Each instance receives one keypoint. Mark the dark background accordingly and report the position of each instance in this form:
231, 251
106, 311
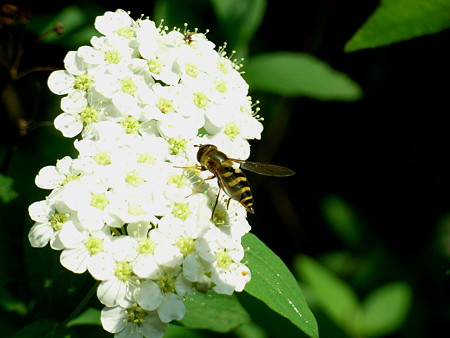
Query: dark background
386, 155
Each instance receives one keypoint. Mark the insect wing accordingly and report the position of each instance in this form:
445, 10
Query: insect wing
265, 168
220, 181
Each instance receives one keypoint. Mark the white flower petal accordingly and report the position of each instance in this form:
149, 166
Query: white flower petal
114, 319
168, 255
73, 65
110, 22
61, 82
149, 295
40, 234
48, 178
223, 284
90, 55
39, 211
74, 102
75, 260
101, 266
145, 266
192, 268
112, 292
124, 249
69, 125
70, 236
153, 327
171, 308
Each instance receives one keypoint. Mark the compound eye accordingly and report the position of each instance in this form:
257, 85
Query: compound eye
202, 149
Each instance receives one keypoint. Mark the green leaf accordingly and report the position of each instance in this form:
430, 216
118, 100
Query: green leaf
384, 310
89, 317
78, 25
72, 17
333, 295
398, 20
250, 330
239, 19
212, 311
273, 284
342, 219
298, 74
272, 323
10, 303
177, 331
7, 193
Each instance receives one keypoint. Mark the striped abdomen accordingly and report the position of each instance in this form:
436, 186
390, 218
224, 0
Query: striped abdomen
235, 184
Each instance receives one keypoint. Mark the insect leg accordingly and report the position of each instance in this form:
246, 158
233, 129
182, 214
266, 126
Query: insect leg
215, 203
196, 167
200, 184
203, 180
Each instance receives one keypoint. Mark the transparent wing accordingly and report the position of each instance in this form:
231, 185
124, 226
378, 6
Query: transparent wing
265, 168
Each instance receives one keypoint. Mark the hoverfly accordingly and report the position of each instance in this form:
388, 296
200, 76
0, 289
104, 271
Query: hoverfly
232, 180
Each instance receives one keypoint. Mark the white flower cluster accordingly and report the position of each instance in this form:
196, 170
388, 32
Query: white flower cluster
142, 97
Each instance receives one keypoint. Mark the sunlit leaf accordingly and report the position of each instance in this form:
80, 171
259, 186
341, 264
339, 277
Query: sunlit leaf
384, 310
72, 17
250, 330
274, 284
239, 19
89, 317
7, 193
9, 302
342, 219
298, 74
176, 331
334, 296
78, 25
398, 20
271, 323
214, 312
